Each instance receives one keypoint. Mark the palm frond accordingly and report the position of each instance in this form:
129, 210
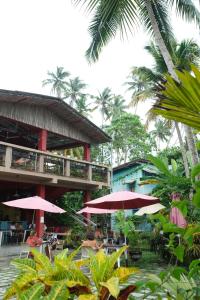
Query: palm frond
181, 102
186, 9
161, 14
109, 16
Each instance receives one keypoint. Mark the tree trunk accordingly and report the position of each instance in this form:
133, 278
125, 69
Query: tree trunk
171, 68
160, 42
183, 150
191, 145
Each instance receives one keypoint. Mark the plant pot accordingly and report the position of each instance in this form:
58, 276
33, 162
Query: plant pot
135, 254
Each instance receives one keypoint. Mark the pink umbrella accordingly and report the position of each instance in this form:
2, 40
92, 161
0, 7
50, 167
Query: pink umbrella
35, 202
123, 200
92, 210
177, 218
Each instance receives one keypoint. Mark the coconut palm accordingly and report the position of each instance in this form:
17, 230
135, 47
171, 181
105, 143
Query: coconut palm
74, 89
183, 54
82, 106
110, 16
102, 102
117, 106
161, 133
57, 80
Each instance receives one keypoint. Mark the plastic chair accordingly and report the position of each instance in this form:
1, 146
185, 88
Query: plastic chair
24, 253
87, 251
60, 245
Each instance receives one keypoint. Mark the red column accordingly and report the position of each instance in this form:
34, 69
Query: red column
86, 154
39, 218
87, 194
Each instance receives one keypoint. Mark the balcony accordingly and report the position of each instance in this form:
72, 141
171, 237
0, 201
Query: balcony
22, 164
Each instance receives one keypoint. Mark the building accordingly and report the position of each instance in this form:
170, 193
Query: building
33, 128
128, 177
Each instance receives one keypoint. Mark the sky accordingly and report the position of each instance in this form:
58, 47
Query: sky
38, 35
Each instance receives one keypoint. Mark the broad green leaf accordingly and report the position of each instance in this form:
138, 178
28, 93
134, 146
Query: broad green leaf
123, 273
155, 279
62, 255
196, 198
160, 165
174, 166
177, 272
172, 228
179, 252
112, 285
195, 171
58, 291
42, 261
33, 293
24, 264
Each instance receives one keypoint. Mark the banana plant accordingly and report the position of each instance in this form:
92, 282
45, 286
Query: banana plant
39, 279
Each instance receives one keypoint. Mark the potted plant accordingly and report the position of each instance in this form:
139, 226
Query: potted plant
134, 249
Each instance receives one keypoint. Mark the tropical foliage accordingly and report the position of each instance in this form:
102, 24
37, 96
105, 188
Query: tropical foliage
57, 80
169, 179
110, 17
181, 101
129, 138
39, 279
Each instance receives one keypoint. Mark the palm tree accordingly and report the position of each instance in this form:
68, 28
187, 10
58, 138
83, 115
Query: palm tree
161, 133
183, 55
110, 16
102, 102
73, 90
82, 106
116, 107
56, 80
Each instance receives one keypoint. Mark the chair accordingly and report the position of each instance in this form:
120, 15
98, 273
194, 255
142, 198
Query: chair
24, 253
87, 251
60, 245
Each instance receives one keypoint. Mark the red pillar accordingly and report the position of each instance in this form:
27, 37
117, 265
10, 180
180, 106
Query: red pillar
86, 154
87, 194
39, 220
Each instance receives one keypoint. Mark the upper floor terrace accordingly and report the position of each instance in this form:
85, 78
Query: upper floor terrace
22, 164
25, 157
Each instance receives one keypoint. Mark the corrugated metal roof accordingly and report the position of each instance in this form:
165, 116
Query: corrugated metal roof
131, 164
61, 108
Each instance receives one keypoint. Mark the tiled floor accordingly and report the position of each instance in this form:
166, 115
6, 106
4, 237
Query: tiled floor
8, 274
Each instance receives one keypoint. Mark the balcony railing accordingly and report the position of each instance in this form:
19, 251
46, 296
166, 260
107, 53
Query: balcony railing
26, 159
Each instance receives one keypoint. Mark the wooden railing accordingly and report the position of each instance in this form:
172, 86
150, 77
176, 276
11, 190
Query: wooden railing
27, 159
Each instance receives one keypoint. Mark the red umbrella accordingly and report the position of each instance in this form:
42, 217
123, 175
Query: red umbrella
123, 200
93, 210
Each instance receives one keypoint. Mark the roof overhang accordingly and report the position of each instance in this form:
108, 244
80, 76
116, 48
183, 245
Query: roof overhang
61, 109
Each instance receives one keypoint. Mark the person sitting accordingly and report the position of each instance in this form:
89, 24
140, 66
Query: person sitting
91, 242
12, 226
33, 240
98, 233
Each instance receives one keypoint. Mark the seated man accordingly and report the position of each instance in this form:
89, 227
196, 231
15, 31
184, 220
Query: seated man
33, 240
91, 242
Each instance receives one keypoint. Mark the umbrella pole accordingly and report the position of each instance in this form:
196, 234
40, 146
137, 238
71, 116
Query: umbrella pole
33, 218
